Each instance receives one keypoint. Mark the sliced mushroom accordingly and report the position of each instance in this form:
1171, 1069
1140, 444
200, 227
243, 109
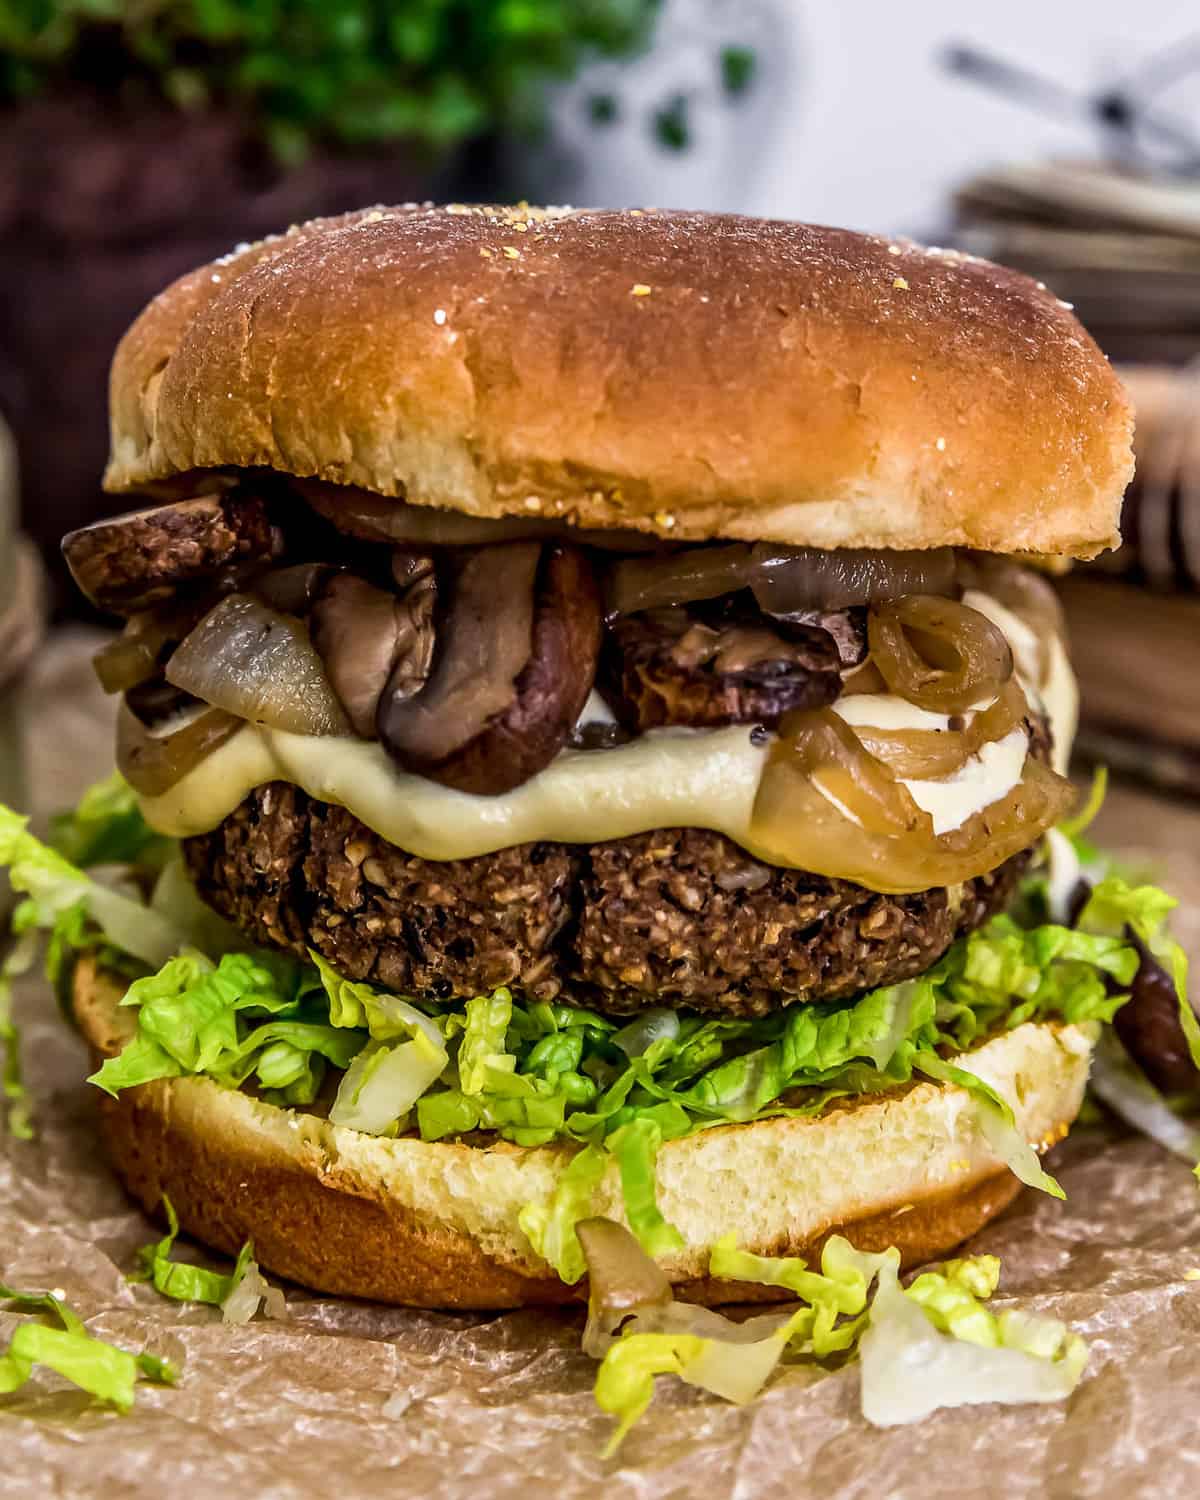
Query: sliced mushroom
668, 667
129, 562
368, 639
413, 657
514, 664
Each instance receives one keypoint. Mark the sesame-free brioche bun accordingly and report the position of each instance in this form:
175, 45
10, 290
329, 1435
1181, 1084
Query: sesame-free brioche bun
434, 1224
696, 375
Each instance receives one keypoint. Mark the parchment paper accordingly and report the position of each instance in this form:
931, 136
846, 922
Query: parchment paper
348, 1399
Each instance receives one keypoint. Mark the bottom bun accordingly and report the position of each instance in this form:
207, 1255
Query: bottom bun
434, 1224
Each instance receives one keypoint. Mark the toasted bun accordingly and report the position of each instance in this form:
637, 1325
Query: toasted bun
432, 1224
691, 374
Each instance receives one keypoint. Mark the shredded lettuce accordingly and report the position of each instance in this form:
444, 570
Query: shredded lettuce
102, 1370
107, 828
934, 1344
229, 1021
17, 961
550, 1226
1115, 905
937, 1345
237, 1294
52, 885
537, 1073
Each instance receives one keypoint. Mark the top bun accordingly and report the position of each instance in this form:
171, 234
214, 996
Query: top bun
697, 375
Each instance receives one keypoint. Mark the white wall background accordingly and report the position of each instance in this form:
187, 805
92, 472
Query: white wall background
853, 121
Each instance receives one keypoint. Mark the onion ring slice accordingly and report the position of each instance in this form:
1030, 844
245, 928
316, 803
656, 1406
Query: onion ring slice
153, 763
937, 653
882, 840
922, 754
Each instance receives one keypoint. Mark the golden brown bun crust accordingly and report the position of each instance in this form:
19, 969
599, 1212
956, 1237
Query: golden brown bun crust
775, 382
357, 1216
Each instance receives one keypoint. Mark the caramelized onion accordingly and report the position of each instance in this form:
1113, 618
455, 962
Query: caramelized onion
375, 518
138, 652
1029, 594
937, 653
259, 664
922, 754
153, 763
827, 751
786, 580
892, 847
640, 583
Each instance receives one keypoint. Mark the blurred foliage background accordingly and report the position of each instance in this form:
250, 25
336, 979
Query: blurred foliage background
355, 72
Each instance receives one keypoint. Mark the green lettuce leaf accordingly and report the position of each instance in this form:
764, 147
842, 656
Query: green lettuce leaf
52, 885
183, 1282
635, 1146
244, 1016
996, 1121
107, 828
934, 1344
1114, 905
102, 1370
19, 960
481, 1052
550, 1226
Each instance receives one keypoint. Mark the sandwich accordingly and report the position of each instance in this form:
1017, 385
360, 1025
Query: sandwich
593, 721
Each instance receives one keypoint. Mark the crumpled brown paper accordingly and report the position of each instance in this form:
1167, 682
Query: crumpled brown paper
347, 1399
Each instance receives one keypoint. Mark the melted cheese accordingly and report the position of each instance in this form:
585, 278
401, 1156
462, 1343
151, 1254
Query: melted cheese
980, 781
951, 800
666, 779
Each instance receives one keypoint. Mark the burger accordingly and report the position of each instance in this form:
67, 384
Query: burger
593, 714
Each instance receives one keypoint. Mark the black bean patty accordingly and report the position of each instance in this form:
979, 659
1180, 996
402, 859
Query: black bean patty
682, 917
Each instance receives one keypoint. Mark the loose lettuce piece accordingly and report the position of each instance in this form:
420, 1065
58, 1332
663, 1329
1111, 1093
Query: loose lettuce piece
1115, 904
937, 1345
625, 1381
662, 1336
839, 1290
996, 1121
386, 1017
635, 1146
237, 1294
102, 1370
482, 1053
1120, 1084
550, 1227
51, 885
733, 1368
107, 828
383, 1083
17, 961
